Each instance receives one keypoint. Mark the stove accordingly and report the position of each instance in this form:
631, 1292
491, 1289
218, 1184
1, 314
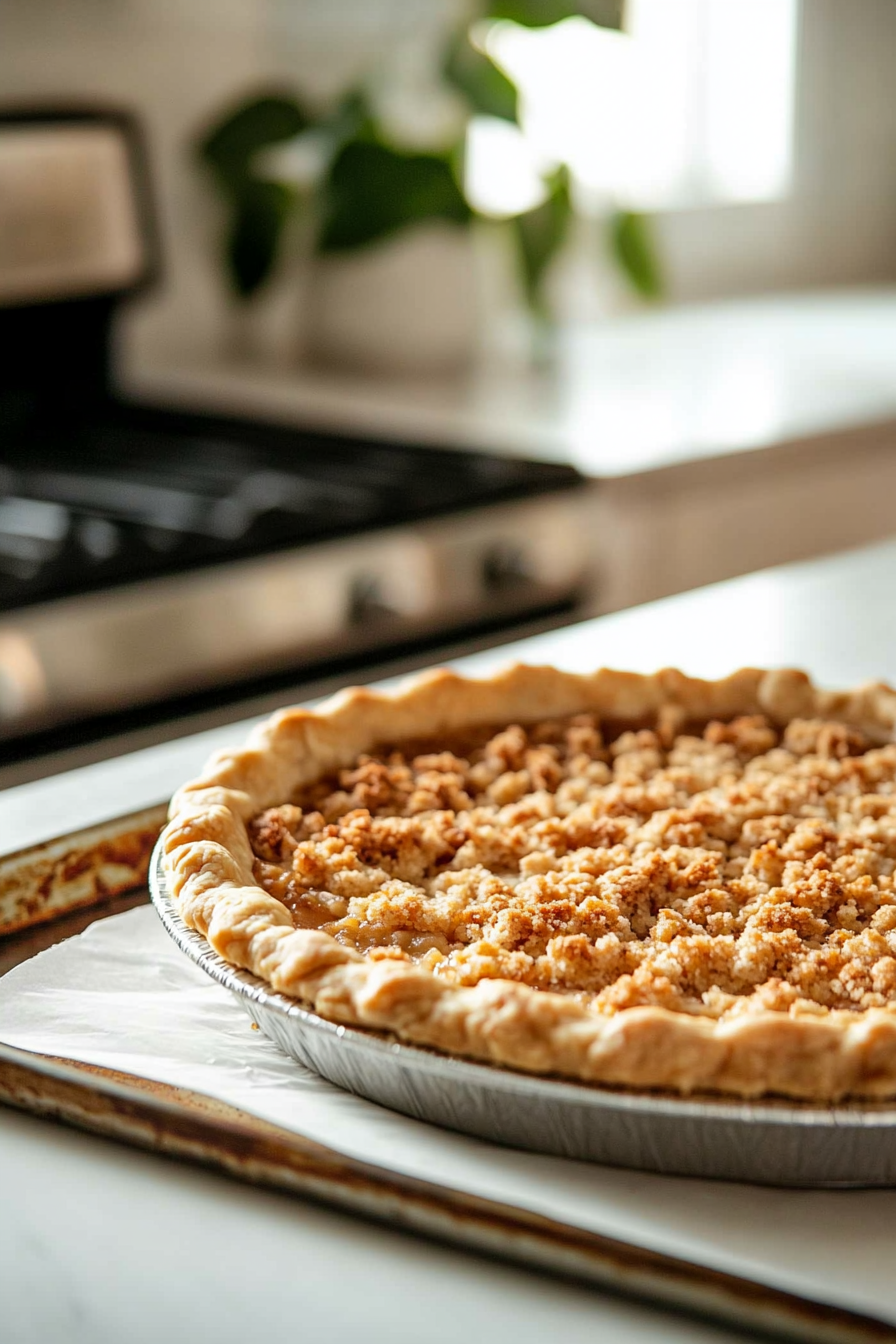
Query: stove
151, 556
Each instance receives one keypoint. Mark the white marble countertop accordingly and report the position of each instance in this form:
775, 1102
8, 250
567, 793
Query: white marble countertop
637, 393
98, 1242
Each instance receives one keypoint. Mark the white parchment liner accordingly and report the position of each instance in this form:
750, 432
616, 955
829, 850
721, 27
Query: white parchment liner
123, 996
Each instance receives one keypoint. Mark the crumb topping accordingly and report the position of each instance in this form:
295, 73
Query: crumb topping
743, 869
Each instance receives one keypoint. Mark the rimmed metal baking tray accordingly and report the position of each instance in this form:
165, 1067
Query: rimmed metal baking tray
769, 1142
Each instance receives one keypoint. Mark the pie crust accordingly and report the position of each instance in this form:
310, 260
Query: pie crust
781, 1038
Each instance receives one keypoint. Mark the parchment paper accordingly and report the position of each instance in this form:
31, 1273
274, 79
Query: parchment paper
124, 997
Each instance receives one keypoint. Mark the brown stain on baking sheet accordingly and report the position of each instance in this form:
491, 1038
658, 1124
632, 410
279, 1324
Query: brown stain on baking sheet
77, 871
182, 1124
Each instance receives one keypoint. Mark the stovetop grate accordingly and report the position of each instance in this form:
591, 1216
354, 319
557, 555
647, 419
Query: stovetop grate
141, 493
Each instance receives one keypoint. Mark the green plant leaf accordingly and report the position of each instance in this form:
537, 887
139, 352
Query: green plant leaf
373, 191
486, 88
352, 119
632, 245
540, 233
260, 211
230, 146
258, 208
542, 13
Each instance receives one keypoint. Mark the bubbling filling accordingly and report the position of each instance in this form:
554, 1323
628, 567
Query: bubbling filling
720, 872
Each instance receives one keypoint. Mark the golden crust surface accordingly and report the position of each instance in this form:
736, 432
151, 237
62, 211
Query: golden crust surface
653, 882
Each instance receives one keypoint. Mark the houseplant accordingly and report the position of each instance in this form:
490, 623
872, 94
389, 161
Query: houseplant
388, 223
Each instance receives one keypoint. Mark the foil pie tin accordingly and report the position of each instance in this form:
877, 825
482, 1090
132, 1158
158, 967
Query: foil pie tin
770, 1141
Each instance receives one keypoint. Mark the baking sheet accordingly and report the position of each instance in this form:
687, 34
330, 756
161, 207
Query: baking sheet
122, 996
43, 882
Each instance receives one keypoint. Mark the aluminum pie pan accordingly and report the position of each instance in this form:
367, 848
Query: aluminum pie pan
768, 1142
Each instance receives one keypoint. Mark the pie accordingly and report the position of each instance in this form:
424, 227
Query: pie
649, 882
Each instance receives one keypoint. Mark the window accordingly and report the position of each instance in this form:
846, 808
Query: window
692, 104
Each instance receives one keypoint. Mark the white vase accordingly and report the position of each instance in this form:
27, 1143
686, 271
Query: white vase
408, 304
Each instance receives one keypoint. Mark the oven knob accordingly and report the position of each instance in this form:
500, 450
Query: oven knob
504, 565
366, 600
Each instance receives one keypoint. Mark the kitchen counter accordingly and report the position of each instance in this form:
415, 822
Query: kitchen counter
636, 393
89, 1230
99, 1244
721, 438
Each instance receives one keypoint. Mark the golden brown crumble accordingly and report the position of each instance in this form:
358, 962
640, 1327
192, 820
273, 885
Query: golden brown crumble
718, 874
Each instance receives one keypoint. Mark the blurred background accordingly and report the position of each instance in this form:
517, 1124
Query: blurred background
345, 335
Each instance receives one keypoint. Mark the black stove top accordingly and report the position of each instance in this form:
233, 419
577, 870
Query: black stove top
96, 492
156, 562
133, 493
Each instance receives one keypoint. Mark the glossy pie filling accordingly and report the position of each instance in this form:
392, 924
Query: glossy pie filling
741, 869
